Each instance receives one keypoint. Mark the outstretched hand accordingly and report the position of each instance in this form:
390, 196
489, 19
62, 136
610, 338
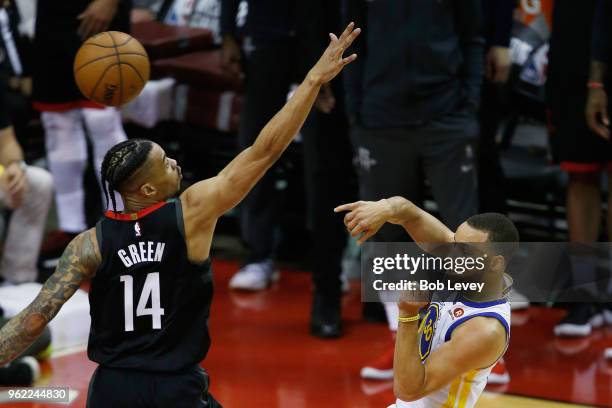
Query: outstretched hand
332, 61
365, 218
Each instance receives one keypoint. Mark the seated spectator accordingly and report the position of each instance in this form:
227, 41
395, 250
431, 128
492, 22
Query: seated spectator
145, 10
27, 191
194, 13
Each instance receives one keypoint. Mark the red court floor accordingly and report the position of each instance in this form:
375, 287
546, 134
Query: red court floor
262, 356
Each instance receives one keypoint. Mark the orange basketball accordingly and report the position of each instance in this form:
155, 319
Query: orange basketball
111, 68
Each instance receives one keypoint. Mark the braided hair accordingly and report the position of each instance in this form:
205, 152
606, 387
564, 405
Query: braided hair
120, 163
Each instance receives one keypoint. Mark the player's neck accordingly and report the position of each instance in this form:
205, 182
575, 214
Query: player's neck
493, 289
133, 205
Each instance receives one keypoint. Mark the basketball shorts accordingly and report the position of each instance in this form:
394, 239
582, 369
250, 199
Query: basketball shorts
575, 147
121, 388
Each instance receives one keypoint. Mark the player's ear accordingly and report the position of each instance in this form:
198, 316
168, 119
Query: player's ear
498, 263
148, 190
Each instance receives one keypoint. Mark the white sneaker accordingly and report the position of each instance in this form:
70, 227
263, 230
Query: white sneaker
255, 276
517, 300
344, 283
580, 320
34, 366
381, 368
499, 374
607, 314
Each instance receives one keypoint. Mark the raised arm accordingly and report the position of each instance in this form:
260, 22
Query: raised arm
365, 218
209, 199
78, 263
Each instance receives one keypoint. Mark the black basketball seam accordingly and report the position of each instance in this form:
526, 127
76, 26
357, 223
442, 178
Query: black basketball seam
135, 70
119, 65
109, 46
107, 56
100, 79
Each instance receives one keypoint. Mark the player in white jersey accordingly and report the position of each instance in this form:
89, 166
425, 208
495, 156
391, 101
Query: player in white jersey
444, 360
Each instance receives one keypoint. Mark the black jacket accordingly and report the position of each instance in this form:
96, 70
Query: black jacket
418, 60
306, 23
260, 19
602, 31
498, 21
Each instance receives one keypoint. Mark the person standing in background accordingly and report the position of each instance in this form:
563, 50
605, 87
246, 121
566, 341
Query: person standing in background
328, 168
263, 48
580, 152
61, 28
413, 104
598, 109
498, 18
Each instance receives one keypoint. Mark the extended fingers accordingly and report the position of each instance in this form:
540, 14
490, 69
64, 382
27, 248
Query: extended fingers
348, 40
349, 59
347, 31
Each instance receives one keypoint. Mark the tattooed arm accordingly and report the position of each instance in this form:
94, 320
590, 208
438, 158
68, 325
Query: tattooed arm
78, 263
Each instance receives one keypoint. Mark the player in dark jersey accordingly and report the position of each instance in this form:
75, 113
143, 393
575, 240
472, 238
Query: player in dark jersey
151, 285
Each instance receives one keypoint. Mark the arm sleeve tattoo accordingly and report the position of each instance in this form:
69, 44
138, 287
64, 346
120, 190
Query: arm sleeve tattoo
77, 264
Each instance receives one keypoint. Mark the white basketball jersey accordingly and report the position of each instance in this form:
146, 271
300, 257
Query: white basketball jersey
440, 320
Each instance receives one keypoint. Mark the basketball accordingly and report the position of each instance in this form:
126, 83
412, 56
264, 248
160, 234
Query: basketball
111, 68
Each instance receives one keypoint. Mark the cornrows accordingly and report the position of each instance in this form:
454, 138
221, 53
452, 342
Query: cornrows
120, 163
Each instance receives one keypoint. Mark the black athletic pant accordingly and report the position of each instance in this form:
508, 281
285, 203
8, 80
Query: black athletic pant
492, 197
330, 180
120, 388
270, 71
395, 162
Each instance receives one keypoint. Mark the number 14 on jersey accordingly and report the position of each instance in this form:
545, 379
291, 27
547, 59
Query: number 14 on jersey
150, 290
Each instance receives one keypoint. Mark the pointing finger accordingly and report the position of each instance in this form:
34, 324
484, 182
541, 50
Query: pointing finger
346, 207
